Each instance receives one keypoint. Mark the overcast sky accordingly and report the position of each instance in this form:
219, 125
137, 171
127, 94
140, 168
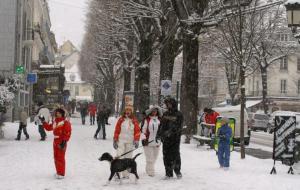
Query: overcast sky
68, 17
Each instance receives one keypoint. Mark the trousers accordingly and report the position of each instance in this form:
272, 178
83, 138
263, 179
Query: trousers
172, 159
122, 148
151, 153
59, 158
24, 129
101, 125
224, 154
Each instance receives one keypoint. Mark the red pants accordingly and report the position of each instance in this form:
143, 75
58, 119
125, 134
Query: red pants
59, 158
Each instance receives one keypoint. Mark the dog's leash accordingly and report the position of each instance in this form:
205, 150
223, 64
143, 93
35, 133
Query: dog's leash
179, 131
132, 150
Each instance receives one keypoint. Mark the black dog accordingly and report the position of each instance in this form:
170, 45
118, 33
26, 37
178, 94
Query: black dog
119, 165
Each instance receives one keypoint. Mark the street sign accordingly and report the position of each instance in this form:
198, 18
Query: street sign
20, 69
284, 141
166, 87
32, 78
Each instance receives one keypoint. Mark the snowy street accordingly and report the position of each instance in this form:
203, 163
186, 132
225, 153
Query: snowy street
28, 165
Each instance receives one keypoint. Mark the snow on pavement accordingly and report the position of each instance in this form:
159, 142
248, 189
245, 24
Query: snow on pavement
28, 165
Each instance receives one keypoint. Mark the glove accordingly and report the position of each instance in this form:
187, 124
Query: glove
42, 118
157, 139
136, 144
222, 137
145, 142
115, 145
62, 145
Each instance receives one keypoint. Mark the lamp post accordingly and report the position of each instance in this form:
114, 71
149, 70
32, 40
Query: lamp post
293, 16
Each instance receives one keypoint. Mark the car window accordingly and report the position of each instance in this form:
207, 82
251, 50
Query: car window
261, 117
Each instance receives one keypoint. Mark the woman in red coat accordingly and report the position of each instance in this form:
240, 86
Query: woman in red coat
62, 131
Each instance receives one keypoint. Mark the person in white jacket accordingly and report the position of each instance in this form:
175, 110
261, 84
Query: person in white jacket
126, 135
148, 137
42, 112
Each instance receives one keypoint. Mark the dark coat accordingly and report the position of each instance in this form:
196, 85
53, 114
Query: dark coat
171, 125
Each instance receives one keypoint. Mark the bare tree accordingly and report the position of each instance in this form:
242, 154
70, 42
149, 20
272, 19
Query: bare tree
104, 51
268, 47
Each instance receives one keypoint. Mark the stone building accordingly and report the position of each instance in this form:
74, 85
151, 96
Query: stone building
16, 37
78, 89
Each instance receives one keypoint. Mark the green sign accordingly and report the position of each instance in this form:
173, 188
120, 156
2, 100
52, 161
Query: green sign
20, 69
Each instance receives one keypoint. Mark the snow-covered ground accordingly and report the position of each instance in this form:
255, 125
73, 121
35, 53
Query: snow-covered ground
28, 165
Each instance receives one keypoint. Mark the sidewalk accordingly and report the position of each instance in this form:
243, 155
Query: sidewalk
28, 165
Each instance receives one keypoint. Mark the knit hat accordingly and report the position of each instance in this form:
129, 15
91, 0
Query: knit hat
61, 111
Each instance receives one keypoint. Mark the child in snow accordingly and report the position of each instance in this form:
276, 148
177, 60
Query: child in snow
23, 124
149, 132
61, 128
224, 135
126, 135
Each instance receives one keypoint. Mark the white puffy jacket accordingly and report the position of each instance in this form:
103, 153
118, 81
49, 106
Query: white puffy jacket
150, 129
43, 111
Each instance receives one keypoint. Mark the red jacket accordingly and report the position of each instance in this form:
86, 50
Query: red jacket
61, 129
92, 109
211, 118
120, 128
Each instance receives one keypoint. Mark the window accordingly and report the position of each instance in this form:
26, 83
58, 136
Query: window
298, 64
283, 37
283, 86
284, 63
76, 90
299, 86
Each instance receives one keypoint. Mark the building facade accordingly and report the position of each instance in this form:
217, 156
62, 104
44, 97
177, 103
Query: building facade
283, 78
77, 89
16, 37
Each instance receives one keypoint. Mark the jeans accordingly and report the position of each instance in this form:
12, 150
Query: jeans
224, 154
24, 129
83, 119
92, 119
101, 124
42, 132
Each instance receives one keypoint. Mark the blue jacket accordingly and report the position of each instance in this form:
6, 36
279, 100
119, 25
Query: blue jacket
224, 134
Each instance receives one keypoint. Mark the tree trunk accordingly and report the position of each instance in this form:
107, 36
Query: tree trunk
111, 96
264, 80
189, 85
142, 77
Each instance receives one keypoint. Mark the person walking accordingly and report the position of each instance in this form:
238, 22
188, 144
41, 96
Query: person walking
170, 134
101, 121
83, 112
108, 112
42, 111
224, 135
126, 135
23, 124
61, 128
149, 132
92, 112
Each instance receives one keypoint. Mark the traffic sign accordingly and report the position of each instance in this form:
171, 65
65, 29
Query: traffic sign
32, 78
20, 69
166, 87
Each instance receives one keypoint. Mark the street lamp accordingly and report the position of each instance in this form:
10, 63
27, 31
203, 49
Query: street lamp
293, 15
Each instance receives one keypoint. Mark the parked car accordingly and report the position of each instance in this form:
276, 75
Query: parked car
235, 112
258, 121
271, 123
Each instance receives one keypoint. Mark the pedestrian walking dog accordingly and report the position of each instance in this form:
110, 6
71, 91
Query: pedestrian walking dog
118, 165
